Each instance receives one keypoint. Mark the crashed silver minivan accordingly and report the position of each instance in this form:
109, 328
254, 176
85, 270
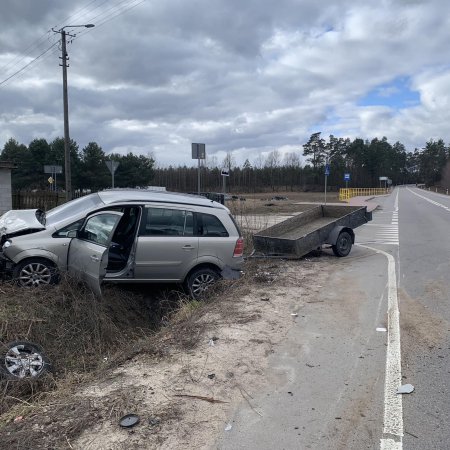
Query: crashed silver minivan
123, 235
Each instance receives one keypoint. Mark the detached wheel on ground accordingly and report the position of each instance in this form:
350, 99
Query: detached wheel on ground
22, 359
343, 244
35, 272
199, 281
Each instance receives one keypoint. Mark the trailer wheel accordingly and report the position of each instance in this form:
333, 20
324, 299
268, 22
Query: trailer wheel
343, 244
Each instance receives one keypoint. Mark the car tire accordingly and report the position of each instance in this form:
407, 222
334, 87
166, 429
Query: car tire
35, 272
199, 281
23, 360
343, 244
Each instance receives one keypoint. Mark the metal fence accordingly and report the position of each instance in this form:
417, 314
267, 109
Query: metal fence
346, 193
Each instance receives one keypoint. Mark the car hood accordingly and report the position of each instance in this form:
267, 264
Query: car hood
15, 221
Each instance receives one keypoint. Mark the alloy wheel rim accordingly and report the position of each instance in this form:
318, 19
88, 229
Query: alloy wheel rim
22, 362
202, 283
35, 274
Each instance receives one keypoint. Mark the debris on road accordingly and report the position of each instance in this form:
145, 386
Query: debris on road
201, 397
129, 420
405, 389
228, 427
383, 329
154, 421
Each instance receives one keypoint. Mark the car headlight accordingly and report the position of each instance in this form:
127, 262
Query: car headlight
7, 244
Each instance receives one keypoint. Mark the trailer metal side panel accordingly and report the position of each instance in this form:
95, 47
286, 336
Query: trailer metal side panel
307, 231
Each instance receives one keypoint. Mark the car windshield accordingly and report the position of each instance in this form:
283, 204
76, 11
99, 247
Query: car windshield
73, 208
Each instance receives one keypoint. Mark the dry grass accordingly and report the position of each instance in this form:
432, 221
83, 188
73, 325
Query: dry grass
80, 333
85, 338
55, 415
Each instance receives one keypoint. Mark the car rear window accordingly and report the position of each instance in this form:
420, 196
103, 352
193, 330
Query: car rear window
210, 226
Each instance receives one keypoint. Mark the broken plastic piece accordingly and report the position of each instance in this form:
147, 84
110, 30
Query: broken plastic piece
405, 389
228, 427
211, 343
294, 314
154, 421
381, 329
130, 420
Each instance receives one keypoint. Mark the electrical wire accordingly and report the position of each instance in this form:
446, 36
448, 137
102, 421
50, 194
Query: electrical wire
79, 14
27, 52
111, 13
29, 64
108, 14
19, 76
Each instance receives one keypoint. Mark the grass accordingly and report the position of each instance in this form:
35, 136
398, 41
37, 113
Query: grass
85, 338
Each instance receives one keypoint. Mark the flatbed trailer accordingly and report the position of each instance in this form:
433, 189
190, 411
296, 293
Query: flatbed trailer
308, 231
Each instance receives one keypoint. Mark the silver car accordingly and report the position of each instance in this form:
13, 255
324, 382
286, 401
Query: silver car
123, 236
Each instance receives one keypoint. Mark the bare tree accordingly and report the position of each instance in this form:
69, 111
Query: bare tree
229, 161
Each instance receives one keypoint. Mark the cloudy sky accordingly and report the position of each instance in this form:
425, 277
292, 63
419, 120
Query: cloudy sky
242, 76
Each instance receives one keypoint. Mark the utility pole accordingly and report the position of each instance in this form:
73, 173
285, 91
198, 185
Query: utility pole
64, 59
68, 172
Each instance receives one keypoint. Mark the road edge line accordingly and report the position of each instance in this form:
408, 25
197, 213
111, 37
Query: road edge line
393, 409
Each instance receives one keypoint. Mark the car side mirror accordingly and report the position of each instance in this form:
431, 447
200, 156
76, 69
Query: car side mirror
72, 233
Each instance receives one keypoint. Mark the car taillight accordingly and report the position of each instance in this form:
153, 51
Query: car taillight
238, 248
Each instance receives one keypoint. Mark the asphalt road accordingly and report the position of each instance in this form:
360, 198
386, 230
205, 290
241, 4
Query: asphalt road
424, 287
332, 382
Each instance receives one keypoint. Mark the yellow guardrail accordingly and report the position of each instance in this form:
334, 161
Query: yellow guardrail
346, 193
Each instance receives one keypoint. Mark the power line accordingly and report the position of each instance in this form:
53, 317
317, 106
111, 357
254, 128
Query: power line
27, 52
29, 64
110, 13
49, 54
74, 17
112, 10
111, 16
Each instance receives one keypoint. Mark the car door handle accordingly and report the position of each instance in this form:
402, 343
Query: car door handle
95, 258
188, 247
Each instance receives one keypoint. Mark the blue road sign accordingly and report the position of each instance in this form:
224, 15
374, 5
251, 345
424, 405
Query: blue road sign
327, 170
346, 177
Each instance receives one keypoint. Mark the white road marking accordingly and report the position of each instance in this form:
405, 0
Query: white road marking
384, 234
429, 200
393, 411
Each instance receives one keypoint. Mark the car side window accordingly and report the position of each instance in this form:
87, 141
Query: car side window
98, 229
168, 222
210, 226
62, 232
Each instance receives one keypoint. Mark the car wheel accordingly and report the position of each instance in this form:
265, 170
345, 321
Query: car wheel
200, 280
22, 359
35, 272
343, 244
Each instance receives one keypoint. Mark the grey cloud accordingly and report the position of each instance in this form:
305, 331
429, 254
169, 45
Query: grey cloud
239, 75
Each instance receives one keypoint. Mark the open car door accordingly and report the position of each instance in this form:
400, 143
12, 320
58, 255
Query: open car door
88, 251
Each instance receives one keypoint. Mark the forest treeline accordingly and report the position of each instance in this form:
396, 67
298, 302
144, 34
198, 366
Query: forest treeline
364, 160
